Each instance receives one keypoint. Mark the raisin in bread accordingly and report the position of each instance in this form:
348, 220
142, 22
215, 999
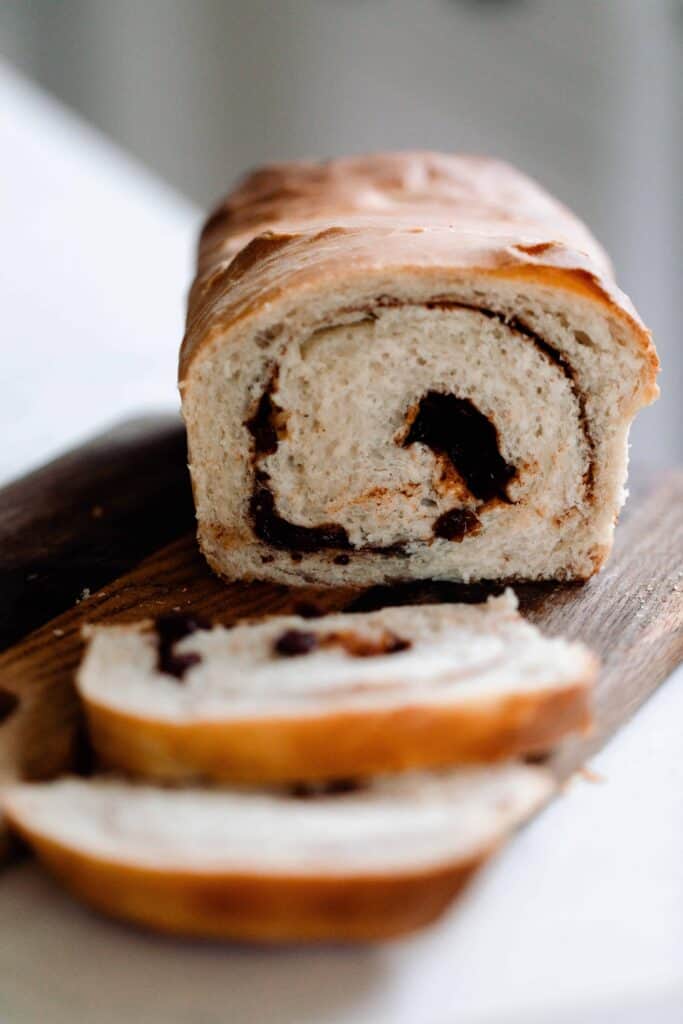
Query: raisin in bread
407, 366
343, 695
269, 867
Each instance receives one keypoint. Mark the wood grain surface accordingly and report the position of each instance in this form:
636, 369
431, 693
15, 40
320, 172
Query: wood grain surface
631, 614
89, 516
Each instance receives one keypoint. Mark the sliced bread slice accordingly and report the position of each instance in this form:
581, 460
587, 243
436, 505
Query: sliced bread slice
365, 864
351, 695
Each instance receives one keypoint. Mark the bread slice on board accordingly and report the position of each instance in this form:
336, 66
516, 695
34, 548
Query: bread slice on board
366, 864
344, 695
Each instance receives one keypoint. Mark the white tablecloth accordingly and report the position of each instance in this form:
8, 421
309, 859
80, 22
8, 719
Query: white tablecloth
580, 919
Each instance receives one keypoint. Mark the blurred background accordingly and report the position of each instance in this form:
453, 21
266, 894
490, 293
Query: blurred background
121, 121
584, 95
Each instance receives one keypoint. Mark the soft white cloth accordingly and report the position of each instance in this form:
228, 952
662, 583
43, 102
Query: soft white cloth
97, 256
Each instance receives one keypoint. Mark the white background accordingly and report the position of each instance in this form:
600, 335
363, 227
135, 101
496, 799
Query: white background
584, 95
580, 919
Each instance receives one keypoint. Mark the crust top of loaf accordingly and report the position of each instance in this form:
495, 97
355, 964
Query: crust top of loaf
419, 187
290, 229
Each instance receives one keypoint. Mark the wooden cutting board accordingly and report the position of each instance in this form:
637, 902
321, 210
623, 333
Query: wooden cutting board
105, 534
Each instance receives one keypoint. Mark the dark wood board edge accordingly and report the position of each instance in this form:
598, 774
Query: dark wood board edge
89, 516
631, 614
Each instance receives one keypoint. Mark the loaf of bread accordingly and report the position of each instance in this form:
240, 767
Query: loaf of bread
345, 695
350, 865
407, 366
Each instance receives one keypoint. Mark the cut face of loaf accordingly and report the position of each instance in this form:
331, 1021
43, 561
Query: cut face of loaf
405, 367
266, 867
341, 696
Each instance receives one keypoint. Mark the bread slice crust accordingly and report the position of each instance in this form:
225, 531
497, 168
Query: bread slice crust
338, 865
403, 688
256, 908
342, 744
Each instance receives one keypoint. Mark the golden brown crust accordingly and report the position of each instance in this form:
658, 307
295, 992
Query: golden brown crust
343, 744
256, 908
423, 188
401, 215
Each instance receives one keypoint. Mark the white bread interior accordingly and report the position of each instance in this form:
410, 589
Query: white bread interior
454, 655
396, 824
